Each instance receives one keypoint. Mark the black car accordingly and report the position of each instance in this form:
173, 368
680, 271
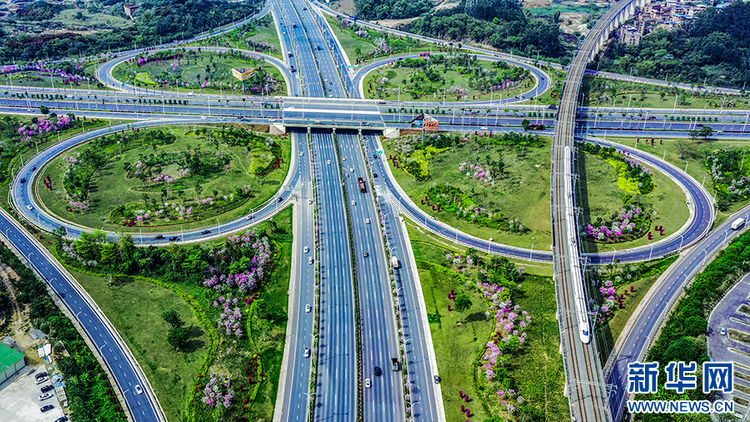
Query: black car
366, 254
375, 175
47, 388
206, 232
23, 180
159, 237
280, 199
319, 48
33, 168
40, 375
174, 238
378, 371
62, 419
47, 407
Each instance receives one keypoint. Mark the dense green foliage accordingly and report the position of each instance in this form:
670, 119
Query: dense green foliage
90, 393
715, 48
729, 174
391, 9
160, 21
683, 336
514, 30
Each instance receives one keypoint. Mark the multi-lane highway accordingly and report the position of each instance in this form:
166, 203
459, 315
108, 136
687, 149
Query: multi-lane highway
350, 239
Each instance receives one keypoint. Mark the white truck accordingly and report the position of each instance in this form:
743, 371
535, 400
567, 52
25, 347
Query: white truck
394, 262
738, 223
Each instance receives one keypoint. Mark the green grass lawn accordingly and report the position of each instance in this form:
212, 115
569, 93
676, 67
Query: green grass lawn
134, 307
400, 77
194, 67
258, 31
349, 42
597, 94
418, 235
110, 188
537, 367
551, 96
456, 346
642, 284
523, 194
600, 197
686, 152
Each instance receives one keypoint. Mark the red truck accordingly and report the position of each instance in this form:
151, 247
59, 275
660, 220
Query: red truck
361, 184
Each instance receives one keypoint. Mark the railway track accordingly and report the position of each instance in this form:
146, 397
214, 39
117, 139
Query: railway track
586, 391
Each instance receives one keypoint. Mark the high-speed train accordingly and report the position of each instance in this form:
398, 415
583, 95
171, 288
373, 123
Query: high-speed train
576, 271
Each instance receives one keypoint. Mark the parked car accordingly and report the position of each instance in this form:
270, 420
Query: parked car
62, 419
47, 388
41, 380
47, 408
45, 396
40, 375
723, 331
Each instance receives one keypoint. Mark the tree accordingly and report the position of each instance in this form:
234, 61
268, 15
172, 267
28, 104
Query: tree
705, 132
177, 337
172, 318
463, 303
44, 109
525, 123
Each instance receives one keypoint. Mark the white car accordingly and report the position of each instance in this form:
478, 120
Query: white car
271, 120
367, 221
354, 202
45, 396
309, 201
343, 158
307, 249
138, 389
351, 170
483, 128
308, 308
367, 383
203, 117
723, 331
310, 260
41, 380
328, 162
221, 119
307, 352
301, 154
29, 207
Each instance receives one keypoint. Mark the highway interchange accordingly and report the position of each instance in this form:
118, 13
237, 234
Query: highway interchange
335, 198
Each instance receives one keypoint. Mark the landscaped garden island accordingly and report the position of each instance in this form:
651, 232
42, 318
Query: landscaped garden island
165, 178
202, 71
438, 77
497, 186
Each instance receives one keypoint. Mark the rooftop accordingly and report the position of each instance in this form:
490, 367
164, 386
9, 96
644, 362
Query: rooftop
8, 357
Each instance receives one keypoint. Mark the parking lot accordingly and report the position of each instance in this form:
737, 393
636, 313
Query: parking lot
729, 341
19, 399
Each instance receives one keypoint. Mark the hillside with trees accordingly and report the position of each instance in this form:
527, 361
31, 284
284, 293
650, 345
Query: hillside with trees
160, 21
391, 9
713, 50
503, 24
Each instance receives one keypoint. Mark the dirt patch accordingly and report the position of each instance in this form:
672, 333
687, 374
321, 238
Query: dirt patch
537, 3
571, 22
394, 23
68, 31
446, 4
20, 324
344, 6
